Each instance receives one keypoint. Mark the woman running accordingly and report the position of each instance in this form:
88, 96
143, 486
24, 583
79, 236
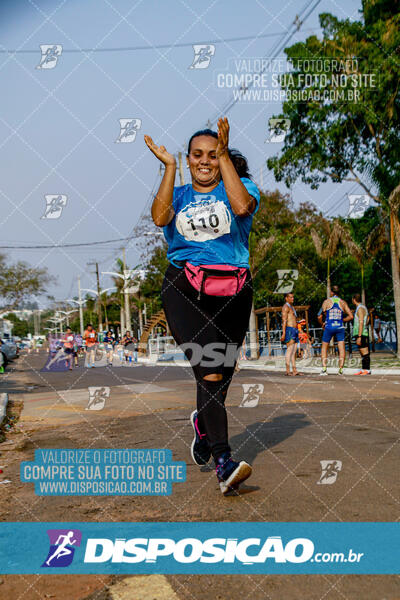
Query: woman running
128, 343
68, 341
109, 343
207, 289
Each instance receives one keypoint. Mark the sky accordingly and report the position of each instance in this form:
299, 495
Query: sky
126, 59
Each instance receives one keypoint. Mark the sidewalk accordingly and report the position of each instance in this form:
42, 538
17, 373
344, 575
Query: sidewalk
311, 366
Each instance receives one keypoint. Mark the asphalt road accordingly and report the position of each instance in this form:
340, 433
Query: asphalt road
295, 424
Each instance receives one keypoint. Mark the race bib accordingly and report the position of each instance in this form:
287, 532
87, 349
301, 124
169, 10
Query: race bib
205, 219
91, 335
70, 338
335, 313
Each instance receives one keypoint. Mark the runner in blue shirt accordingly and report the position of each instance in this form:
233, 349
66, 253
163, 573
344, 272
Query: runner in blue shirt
207, 289
109, 343
333, 309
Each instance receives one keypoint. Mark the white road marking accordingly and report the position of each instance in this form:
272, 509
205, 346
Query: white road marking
144, 388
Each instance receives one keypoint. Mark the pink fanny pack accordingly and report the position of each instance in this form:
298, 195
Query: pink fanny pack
216, 280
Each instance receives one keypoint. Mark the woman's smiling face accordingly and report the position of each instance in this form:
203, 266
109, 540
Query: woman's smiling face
202, 161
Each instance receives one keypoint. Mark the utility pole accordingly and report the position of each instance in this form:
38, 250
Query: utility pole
99, 298
99, 315
80, 305
126, 295
125, 310
122, 317
181, 176
60, 321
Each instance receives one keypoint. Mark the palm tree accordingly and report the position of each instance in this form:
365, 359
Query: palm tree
334, 233
385, 179
106, 301
364, 253
90, 305
119, 283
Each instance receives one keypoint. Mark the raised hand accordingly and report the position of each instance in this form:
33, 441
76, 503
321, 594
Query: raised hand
223, 137
160, 152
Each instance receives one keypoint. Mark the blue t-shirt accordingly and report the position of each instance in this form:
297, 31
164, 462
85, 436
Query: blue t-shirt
205, 230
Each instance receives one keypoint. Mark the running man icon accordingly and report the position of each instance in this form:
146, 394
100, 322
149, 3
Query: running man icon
202, 55
55, 204
128, 130
61, 551
330, 470
50, 53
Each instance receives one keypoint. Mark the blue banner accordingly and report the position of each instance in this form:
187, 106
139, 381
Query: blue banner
199, 548
103, 472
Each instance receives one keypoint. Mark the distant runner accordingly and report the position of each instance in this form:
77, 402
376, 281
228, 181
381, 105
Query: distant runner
360, 334
129, 344
290, 334
333, 309
109, 343
68, 342
90, 337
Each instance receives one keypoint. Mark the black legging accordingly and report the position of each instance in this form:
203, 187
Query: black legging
212, 319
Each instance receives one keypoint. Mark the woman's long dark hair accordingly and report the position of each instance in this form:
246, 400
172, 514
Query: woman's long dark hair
239, 161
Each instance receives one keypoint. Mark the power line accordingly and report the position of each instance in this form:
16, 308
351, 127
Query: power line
156, 47
40, 246
126, 239
131, 236
276, 50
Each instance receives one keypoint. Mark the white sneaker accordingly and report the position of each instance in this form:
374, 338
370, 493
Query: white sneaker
324, 372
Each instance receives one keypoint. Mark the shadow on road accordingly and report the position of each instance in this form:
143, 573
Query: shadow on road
261, 436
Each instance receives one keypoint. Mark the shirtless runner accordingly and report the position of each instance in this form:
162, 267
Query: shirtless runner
290, 333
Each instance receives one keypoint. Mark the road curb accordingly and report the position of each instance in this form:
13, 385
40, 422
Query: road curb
317, 370
279, 370
3, 406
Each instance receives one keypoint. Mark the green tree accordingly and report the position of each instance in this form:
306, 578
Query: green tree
19, 281
90, 315
156, 266
326, 245
369, 235
21, 327
280, 239
343, 140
